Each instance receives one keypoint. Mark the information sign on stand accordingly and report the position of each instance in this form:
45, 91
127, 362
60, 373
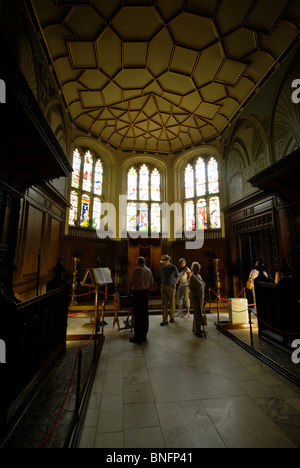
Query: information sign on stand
95, 278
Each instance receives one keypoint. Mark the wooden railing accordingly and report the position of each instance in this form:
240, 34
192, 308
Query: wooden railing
35, 334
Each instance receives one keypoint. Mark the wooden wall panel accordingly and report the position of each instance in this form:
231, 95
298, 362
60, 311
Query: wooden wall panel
41, 229
32, 241
54, 244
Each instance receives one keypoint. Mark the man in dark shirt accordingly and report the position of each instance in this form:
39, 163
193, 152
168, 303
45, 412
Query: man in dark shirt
169, 278
141, 281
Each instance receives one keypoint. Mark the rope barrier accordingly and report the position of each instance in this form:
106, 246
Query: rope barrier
226, 300
81, 295
68, 391
83, 312
240, 293
106, 294
273, 328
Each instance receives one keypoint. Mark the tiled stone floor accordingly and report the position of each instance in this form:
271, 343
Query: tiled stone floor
175, 391
179, 391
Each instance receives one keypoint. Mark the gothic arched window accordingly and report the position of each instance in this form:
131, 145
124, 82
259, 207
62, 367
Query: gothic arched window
202, 202
86, 189
144, 196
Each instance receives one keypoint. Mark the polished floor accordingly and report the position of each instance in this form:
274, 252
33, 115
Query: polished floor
180, 391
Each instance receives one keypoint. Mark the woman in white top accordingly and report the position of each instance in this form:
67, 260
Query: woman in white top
183, 290
252, 276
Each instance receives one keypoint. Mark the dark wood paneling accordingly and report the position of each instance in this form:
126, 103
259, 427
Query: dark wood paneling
42, 222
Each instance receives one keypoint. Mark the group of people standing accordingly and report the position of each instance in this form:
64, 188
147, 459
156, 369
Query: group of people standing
183, 285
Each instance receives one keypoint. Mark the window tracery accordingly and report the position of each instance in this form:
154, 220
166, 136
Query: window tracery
144, 196
202, 201
86, 189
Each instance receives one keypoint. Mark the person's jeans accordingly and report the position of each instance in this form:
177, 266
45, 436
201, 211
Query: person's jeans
168, 292
140, 314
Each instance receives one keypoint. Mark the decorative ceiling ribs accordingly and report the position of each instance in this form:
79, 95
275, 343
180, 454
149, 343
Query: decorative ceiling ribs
161, 76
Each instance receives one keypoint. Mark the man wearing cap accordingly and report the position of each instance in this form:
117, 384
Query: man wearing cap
169, 278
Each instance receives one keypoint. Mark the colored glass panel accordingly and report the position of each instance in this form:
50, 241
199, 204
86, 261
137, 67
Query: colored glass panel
131, 217
189, 182
200, 177
143, 217
189, 208
76, 169
98, 181
74, 208
96, 213
155, 218
132, 184
155, 185
201, 214
213, 176
85, 211
87, 172
215, 215
144, 183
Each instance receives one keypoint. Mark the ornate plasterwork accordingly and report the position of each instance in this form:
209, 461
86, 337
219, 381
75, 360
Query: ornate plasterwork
285, 132
161, 76
247, 155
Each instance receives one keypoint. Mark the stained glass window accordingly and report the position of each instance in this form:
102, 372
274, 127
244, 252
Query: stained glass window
143, 217
87, 189
213, 176
76, 169
96, 213
202, 202
74, 208
155, 185
87, 172
189, 182
144, 187
155, 218
200, 177
131, 217
85, 211
201, 214
144, 183
132, 184
98, 179
189, 216
214, 208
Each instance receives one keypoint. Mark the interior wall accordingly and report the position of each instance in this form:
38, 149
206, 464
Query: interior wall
259, 223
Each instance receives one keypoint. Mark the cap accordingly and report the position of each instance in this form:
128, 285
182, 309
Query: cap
182, 260
165, 258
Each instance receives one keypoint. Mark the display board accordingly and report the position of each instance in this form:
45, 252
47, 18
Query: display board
102, 276
97, 277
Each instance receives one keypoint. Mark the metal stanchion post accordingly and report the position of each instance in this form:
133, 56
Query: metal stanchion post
77, 404
250, 323
218, 310
74, 282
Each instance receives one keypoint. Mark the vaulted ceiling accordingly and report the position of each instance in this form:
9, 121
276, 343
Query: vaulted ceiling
163, 75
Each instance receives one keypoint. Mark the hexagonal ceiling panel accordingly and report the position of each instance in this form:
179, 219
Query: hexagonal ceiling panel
163, 75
